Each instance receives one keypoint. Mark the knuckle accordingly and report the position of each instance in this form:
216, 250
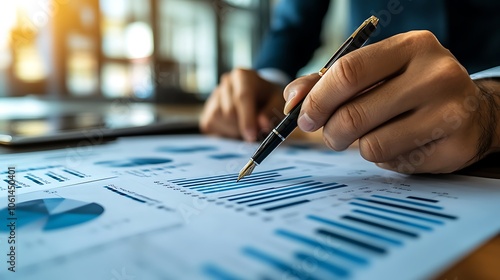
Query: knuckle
422, 39
239, 73
351, 119
372, 149
316, 106
449, 71
225, 78
347, 71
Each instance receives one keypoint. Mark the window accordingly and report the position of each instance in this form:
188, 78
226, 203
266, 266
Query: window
155, 50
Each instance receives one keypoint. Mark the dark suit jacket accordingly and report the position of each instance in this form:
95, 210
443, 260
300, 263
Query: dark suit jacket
470, 29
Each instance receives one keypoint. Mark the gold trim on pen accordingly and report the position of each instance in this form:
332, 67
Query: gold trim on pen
373, 20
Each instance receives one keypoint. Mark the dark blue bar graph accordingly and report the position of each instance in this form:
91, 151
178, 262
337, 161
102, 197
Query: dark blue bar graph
336, 186
229, 181
125, 195
303, 187
54, 177
335, 270
403, 222
236, 186
356, 230
286, 205
218, 185
217, 273
34, 180
74, 173
271, 190
441, 215
276, 263
352, 241
423, 199
311, 242
381, 226
399, 213
217, 177
408, 202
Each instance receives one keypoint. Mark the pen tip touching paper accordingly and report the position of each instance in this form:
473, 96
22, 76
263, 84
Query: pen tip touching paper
246, 170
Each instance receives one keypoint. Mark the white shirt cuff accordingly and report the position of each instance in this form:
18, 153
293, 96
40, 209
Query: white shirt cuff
488, 73
274, 76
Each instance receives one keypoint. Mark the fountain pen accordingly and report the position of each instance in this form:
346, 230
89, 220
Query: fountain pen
289, 123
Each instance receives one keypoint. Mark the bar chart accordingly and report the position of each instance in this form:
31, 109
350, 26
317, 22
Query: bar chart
340, 243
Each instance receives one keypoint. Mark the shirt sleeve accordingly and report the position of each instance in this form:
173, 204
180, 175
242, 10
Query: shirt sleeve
488, 73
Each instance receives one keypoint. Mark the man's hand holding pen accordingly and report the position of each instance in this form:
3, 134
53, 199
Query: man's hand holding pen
410, 103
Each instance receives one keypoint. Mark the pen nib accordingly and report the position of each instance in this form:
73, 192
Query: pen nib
246, 170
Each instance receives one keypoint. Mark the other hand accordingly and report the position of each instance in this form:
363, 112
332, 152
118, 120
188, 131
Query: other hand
242, 106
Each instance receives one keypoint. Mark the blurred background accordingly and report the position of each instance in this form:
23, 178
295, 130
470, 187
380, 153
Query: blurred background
151, 50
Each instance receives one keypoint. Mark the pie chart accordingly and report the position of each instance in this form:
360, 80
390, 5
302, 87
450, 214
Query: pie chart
51, 214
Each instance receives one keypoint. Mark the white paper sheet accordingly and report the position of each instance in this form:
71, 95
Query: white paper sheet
174, 211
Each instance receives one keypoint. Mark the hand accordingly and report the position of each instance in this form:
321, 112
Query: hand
410, 103
242, 106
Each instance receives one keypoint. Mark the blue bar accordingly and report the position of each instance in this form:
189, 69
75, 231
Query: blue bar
125, 195
394, 220
274, 190
215, 185
230, 181
285, 205
356, 230
352, 241
299, 195
409, 202
55, 177
331, 268
34, 180
258, 184
229, 175
276, 263
381, 226
311, 242
399, 213
73, 173
423, 199
409, 208
262, 190
217, 273
280, 192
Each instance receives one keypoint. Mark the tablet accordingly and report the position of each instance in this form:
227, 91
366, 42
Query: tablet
30, 121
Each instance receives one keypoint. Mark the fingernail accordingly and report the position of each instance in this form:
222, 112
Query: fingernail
306, 123
287, 107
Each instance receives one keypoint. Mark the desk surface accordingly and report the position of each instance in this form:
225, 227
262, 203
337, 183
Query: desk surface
480, 264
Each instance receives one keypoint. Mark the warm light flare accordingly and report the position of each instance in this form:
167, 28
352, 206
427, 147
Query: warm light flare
7, 21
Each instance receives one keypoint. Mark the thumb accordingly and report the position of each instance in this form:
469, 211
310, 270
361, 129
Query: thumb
298, 89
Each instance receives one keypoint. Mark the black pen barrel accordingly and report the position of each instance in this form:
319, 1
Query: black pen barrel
278, 135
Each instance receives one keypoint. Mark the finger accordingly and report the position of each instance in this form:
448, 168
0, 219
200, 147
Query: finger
435, 157
297, 90
246, 109
352, 74
270, 116
212, 120
373, 108
226, 99
402, 135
